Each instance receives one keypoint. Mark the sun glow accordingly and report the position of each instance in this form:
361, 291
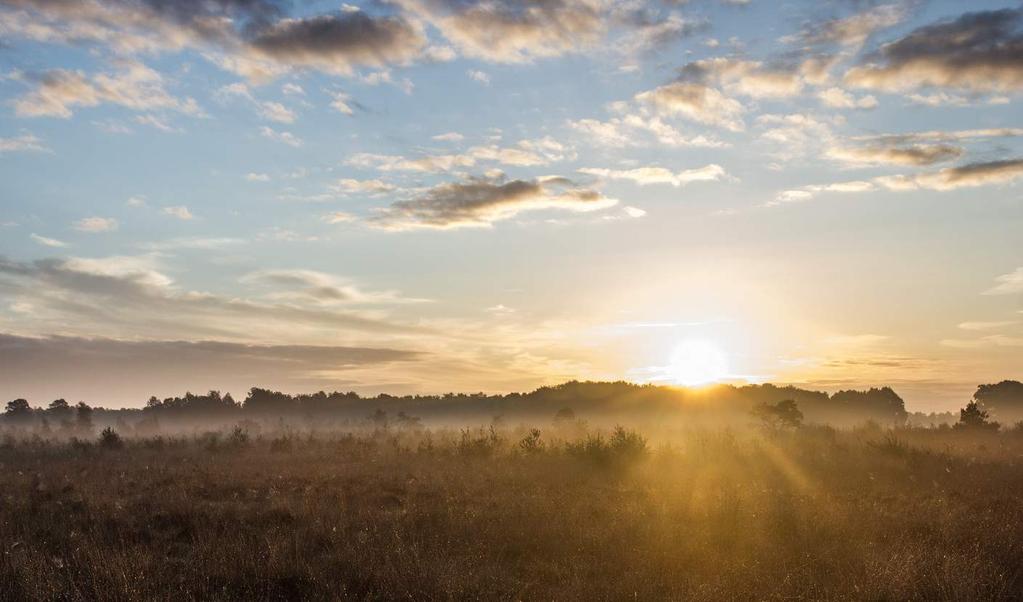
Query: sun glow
697, 362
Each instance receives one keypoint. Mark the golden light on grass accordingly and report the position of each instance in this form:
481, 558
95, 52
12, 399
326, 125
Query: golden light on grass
696, 362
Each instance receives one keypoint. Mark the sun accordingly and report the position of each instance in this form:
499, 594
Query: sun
697, 362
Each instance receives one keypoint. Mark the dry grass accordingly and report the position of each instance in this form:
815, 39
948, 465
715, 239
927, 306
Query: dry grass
816, 514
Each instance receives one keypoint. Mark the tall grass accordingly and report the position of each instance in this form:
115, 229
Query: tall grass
500, 513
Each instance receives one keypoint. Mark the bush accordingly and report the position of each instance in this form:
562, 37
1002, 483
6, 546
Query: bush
627, 444
239, 437
284, 443
779, 416
891, 445
109, 439
531, 443
974, 417
481, 443
624, 446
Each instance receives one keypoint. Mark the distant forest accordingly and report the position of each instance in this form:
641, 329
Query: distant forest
592, 401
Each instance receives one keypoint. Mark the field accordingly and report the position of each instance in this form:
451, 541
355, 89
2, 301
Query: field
569, 514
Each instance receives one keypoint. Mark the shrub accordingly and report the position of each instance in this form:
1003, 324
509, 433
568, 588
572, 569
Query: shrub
622, 447
627, 444
891, 445
782, 415
531, 443
283, 443
109, 439
239, 437
481, 442
974, 417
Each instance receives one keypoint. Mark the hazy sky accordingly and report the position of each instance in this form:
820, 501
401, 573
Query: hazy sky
434, 195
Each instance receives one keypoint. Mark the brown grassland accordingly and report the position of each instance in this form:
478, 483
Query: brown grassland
863, 514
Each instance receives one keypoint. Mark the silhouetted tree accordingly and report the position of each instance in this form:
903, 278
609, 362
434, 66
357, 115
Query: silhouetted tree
61, 411
564, 414
379, 418
83, 416
408, 422
781, 415
18, 411
1004, 400
975, 417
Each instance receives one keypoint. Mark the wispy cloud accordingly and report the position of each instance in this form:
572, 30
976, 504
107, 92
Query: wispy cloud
481, 202
1007, 284
660, 175
179, 211
96, 224
47, 242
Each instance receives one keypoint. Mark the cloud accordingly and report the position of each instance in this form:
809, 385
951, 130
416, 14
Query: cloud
430, 163
179, 211
838, 98
854, 29
660, 175
797, 134
341, 102
478, 76
479, 203
280, 136
965, 176
704, 90
275, 111
370, 187
943, 135
993, 340
1008, 284
986, 325
629, 130
136, 87
950, 178
607, 133
257, 177
514, 31
634, 212
155, 122
384, 77
253, 38
914, 148
525, 153
96, 224
47, 242
142, 368
790, 196
339, 217
978, 52
918, 154
697, 102
22, 143
806, 193
318, 288
204, 244
449, 137
340, 43
649, 32
132, 296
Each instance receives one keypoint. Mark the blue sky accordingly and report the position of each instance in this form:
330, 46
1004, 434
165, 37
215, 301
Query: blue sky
432, 195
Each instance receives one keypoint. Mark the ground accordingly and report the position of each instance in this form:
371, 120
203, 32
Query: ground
495, 514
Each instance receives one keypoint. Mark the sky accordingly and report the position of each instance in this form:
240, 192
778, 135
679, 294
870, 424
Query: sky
421, 196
